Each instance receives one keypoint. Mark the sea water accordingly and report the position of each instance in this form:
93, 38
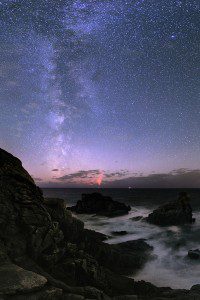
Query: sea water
169, 265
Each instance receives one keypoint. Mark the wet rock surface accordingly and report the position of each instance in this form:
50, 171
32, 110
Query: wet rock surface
119, 233
45, 252
137, 218
194, 254
96, 203
171, 213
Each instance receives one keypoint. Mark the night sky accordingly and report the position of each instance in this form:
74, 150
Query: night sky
102, 92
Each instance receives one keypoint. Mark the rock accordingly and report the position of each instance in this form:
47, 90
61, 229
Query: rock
93, 235
137, 218
26, 226
96, 203
72, 297
123, 232
195, 288
14, 279
126, 297
71, 227
143, 288
171, 213
136, 245
89, 292
174, 293
93, 293
123, 258
45, 294
194, 254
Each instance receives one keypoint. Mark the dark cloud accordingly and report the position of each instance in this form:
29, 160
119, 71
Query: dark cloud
79, 175
121, 173
179, 171
55, 170
180, 178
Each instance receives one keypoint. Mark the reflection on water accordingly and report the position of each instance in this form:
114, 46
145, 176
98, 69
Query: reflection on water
170, 266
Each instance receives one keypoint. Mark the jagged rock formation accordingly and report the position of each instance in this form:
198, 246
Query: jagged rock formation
46, 254
171, 213
194, 254
96, 203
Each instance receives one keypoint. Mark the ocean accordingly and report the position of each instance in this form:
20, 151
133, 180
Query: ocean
169, 265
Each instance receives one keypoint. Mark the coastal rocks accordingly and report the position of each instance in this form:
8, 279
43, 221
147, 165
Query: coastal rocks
26, 226
71, 227
126, 297
46, 254
171, 213
194, 254
122, 258
14, 279
93, 235
195, 288
119, 233
49, 293
96, 203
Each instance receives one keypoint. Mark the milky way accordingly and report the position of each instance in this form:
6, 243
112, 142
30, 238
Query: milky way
103, 89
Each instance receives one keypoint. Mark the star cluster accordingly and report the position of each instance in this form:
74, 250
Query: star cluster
104, 85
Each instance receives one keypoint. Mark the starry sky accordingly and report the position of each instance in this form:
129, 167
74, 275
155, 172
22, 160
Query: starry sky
102, 92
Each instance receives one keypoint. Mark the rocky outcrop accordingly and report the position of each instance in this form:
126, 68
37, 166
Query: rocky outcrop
96, 203
171, 213
122, 258
26, 226
194, 254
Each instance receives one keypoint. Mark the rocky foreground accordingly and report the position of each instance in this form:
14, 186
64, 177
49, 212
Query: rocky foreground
45, 253
170, 213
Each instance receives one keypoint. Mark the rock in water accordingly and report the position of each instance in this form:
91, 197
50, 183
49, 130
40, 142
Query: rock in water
171, 213
194, 254
96, 203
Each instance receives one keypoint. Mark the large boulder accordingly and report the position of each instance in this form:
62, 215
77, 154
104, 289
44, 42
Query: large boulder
194, 254
171, 213
96, 203
122, 258
26, 226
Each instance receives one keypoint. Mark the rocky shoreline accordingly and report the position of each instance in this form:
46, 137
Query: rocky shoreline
46, 253
98, 204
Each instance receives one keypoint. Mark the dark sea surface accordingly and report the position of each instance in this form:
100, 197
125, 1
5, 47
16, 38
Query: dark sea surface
170, 265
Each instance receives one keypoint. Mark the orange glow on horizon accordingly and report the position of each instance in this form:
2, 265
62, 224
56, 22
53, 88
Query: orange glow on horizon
100, 179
